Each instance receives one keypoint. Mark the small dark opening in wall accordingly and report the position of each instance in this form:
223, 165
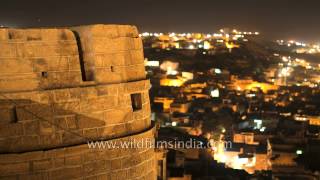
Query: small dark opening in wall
63, 36
33, 38
112, 69
136, 101
10, 35
14, 115
44, 74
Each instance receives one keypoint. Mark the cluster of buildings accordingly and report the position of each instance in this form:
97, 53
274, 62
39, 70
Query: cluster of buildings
294, 71
300, 47
261, 128
225, 39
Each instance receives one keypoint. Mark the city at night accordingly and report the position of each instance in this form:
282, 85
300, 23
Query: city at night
160, 90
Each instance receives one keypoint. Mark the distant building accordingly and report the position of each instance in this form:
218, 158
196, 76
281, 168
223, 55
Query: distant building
244, 153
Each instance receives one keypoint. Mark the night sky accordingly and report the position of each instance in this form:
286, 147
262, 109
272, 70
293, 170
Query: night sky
286, 19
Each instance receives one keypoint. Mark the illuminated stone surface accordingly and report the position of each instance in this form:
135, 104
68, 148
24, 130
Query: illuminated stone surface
62, 87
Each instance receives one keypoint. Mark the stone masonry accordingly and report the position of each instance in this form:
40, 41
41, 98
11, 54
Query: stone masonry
62, 87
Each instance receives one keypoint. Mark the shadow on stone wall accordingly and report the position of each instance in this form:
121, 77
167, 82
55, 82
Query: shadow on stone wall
26, 125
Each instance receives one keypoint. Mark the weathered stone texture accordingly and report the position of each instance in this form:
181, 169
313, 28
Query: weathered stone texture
37, 59
98, 112
78, 162
62, 87
25, 55
113, 53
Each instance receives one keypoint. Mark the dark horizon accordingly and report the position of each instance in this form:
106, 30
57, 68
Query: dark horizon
285, 19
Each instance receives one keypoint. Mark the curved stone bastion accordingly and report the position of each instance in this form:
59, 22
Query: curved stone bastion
63, 87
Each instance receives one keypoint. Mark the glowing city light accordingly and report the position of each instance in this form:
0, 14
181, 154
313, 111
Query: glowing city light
217, 71
299, 152
191, 46
214, 93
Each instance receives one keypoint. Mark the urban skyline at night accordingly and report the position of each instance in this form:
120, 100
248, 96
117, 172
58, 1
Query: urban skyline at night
285, 19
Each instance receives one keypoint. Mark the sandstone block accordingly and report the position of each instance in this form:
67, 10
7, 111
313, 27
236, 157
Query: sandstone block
73, 160
42, 165
14, 168
14, 129
7, 50
67, 173
3, 34
16, 35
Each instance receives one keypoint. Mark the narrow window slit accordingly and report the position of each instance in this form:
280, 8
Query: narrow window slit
44, 74
136, 101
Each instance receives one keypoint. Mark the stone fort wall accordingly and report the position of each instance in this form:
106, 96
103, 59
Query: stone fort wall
40, 59
80, 162
60, 88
